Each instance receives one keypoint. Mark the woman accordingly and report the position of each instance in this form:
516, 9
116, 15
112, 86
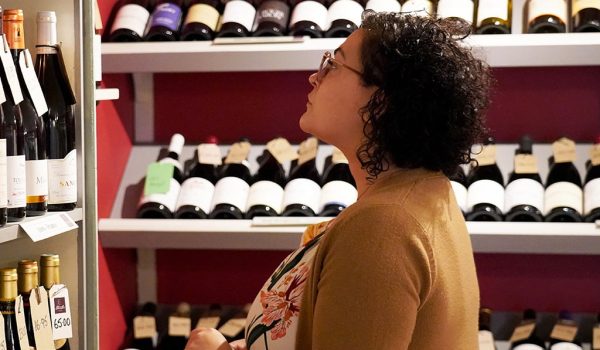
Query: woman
404, 101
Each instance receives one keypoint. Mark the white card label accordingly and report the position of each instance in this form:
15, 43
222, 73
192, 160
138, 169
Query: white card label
209, 153
180, 326
11, 71
32, 83
40, 317
48, 226
60, 312
2, 335
208, 322
144, 327
21, 325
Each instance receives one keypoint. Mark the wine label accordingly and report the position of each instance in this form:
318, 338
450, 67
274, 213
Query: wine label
522, 332
133, 17
596, 338
11, 71
418, 8
37, 180
21, 325
579, 5
308, 148
144, 327
281, 149
3, 175
273, 11
16, 181
266, 193
32, 83
239, 11
591, 196
231, 190
492, 9
60, 312
197, 192
565, 346
166, 15
563, 194
595, 154
239, 150
310, 11
528, 347
457, 9
209, 153
158, 178
460, 193
208, 322
2, 334
526, 164
232, 327
345, 9
203, 13
538, 8
524, 192
485, 191
180, 326
40, 317
564, 331
62, 179
486, 340
302, 191
564, 150
487, 156
383, 5
337, 192
168, 199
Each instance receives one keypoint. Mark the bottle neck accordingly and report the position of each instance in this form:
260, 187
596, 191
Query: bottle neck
49, 276
26, 282
8, 291
15, 34
46, 34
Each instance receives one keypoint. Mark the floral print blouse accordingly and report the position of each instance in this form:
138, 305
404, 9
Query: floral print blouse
273, 318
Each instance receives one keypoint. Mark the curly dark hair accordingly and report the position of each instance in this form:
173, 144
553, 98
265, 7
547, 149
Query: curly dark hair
428, 109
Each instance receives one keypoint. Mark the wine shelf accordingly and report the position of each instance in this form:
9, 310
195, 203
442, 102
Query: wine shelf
12, 231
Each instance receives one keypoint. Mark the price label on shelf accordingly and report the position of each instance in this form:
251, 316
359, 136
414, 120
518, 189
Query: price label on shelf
564, 331
564, 150
522, 332
209, 153
10, 70
32, 83
487, 156
158, 178
526, 164
308, 150
596, 339
281, 149
208, 322
2, 335
595, 154
40, 318
238, 153
144, 327
180, 326
48, 226
60, 312
21, 325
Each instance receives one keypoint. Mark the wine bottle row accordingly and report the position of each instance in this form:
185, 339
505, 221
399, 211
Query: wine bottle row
38, 160
35, 312
483, 195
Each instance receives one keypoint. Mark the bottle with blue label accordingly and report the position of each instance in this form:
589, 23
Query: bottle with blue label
165, 21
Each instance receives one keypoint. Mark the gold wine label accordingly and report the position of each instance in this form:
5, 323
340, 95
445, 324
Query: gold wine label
144, 327
595, 154
564, 331
526, 164
564, 150
208, 322
487, 156
209, 153
596, 338
522, 332
308, 150
238, 153
232, 327
281, 149
180, 326
338, 157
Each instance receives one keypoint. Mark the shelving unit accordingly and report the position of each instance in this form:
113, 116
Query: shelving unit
12, 231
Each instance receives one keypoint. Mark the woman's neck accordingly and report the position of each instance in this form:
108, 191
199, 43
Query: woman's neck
360, 175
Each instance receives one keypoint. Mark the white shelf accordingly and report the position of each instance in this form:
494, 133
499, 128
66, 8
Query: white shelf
12, 231
106, 94
514, 50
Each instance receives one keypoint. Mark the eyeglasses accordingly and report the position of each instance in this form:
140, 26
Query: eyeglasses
328, 63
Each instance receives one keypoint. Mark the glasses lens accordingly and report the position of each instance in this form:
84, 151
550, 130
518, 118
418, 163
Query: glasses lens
324, 68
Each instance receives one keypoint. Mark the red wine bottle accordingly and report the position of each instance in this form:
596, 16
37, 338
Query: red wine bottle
308, 18
591, 189
143, 329
524, 196
463, 9
265, 197
485, 196
27, 271
179, 324
546, 16
8, 294
585, 15
458, 181
130, 22
165, 21
344, 17
201, 20
486, 337
525, 335
272, 18
564, 333
339, 188
563, 200
238, 18
302, 192
493, 17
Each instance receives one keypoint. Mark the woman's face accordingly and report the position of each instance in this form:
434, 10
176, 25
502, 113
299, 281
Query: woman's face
332, 110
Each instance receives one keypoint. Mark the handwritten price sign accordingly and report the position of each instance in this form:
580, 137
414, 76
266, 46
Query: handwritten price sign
40, 316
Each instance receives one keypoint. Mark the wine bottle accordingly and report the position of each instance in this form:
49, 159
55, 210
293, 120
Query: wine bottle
272, 18
546, 16
233, 328
463, 9
585, 15
524, 196
27, 272
418, 8
485, 194
493, 17
302, 192
33, 124
486, 337
591, 189
143, 329
165, 21
339, 188
179, 329
238, 17
564, 333
8, 294
344, 17
3, 168
231, 191
563, 199
49, 276
201, 20
130, 22
60, 120
525, 336
308, 18
458, 181
198, 189
159, 204
383, 5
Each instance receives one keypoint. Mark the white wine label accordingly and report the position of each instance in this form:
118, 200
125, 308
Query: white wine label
525, 164
40, 317
11, 71
180, 326
311, 11
460, 192
62, 179
486, 340
208, 322
266, 193
239, 150
239, 11
485, 191
209, 153
3, 175
595, 152
487, 156
60, 312
302, 191
457, 9
345, 9
197, 192
596, 338
524, 192
591, 196
528, 347
32, 83
144, 327
562, 331
337, 192
492, 9
522, 332
281, 149
175, 163
579, 5
21, 325
48, 226
37, 179
383, 5
203, 13
565, 346
563, 194
308, 148
231, 190
16, 181
133, 17
232, 327
169, 199
418, 8
563, 149
538, 8
2, 335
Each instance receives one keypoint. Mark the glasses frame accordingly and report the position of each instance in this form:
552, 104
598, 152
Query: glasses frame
325, 66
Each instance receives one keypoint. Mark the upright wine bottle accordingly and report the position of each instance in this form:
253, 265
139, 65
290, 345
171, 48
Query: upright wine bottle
417, 8
3, 165
27, 280
343, 17
585, 15
161, 205
525, 336
33, 124
458, 181
339, 188
49, 276
383, 5
485, 196
231, 191
144, 335
178, 329
60, 120
237, 20
8, 294
130, 22
564, 333
563, 200
546, 16
493, 17
463, 9
591, 189
308, 18
201, 20
302, 193
524, 196
486, 338
165, 21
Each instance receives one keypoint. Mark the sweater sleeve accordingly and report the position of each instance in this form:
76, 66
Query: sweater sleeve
377, 270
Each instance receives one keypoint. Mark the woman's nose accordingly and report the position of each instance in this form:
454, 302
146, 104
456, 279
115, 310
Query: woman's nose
312, 79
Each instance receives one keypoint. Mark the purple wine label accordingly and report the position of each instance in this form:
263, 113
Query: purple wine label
60, 307
273, 11
167, 15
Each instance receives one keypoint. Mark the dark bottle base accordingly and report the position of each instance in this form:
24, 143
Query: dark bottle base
3, 216
340, 29
485, 212
190, 212
306, 28
226, 211
197, 32
524, 213
332, 210
260, 210
547, 24
593, 216
36, 209
298, 210
15, 214
268, 29
62, 207
161, 34
154, 211
232, 30
587, 21
494, 27
125, 36
563, 214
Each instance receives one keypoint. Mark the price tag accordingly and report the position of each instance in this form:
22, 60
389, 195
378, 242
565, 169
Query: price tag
21, 325
522, 332
308, 150
486, 341
40, 317
32, 83
232, 327
48, 226
158, 178
487, 155
281, 149
564, 150
60, 312
525, 164
595, 154
238, 153
209, 153
208, 322
596, 339
180, 326
11, 71
144, 327
564, 331
2, 335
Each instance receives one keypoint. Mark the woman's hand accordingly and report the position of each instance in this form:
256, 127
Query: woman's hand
203, 338
238, 345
